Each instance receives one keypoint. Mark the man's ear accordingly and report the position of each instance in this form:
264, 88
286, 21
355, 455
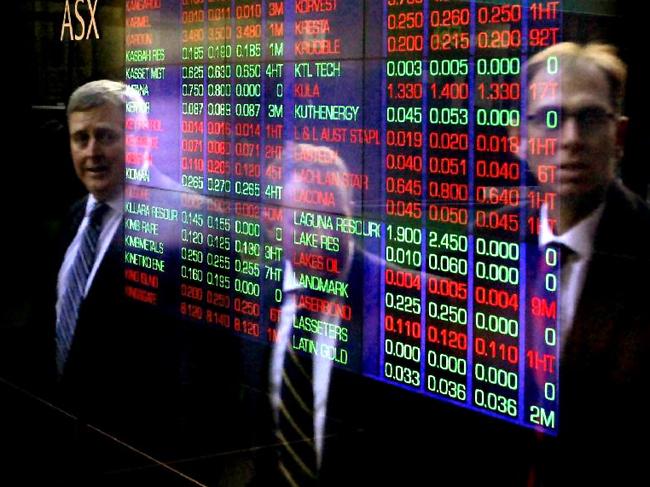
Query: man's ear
622, 123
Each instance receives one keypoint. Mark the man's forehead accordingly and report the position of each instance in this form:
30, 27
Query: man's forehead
577, 85
104, 116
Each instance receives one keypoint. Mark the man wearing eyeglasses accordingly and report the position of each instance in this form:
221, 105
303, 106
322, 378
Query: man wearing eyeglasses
576, 98
575, 101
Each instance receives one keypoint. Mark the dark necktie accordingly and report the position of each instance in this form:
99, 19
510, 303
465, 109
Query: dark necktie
564, 252
565, 255
550, 260
544, 285
76, 280
295, 429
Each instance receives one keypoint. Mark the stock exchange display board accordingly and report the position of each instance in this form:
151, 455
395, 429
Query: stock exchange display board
367, 153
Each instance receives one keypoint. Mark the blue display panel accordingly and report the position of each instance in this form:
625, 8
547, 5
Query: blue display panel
366, 152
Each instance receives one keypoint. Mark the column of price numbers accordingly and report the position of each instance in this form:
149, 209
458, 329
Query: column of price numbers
542, 339
403, 166
192, 96
272, 114
192, 162
192, 258
543, 310
218, 258
247, 267
496, 269
544, 24
273, 214
448, 196
219, 95
246, 56
272, 268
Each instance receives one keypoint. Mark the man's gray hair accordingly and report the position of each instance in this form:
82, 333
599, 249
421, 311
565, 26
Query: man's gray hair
96, 94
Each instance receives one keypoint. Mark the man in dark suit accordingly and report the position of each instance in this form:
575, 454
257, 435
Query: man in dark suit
109, 359
605, 232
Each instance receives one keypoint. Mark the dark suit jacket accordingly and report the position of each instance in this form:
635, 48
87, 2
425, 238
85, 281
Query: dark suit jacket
122, 368
604, 371
605, 367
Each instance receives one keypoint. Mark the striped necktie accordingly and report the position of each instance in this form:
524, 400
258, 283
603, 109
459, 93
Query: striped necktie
76, 280
295, 428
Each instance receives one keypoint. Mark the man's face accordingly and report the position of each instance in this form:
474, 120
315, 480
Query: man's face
588, 132
97, 147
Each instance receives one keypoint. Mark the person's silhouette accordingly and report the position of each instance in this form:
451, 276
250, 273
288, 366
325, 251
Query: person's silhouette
605, 231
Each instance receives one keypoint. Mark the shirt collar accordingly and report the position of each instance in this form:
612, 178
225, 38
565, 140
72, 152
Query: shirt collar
579, 238
115, 202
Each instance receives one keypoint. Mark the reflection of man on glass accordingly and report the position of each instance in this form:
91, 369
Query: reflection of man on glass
321, 244
317, 332
604, 230
108, 356
307, 251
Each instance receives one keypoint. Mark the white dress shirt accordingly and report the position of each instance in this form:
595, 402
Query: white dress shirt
580, 239
110, 224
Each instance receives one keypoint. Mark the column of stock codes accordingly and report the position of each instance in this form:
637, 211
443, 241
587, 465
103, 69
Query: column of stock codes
369, 151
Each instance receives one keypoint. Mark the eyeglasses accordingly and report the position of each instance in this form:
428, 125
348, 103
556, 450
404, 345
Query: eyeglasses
552, 118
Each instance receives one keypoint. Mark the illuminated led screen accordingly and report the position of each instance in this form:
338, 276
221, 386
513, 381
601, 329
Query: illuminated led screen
365, 153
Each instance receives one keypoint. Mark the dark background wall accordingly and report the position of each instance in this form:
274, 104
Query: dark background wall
40, 73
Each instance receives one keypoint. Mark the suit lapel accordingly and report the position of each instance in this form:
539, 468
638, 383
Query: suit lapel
602, 301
